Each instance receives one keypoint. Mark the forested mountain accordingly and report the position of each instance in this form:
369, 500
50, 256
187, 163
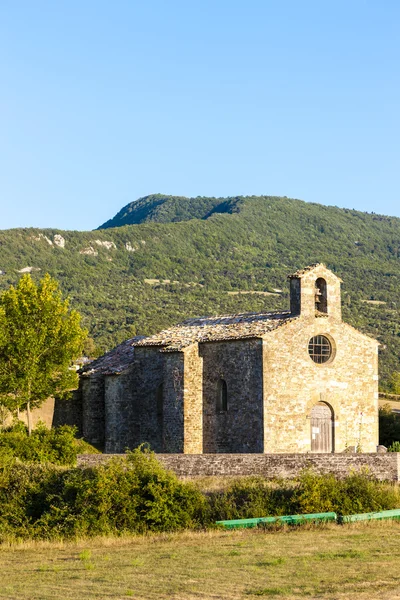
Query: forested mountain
164, 258
170, 209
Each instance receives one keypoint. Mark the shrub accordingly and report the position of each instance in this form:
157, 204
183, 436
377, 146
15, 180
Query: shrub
163, 500
250, 497
22, 491
357, 493
389, 426
136, 495
57, 445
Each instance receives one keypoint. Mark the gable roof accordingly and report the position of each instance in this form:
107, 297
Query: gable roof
113, 362
315, 266
213, 329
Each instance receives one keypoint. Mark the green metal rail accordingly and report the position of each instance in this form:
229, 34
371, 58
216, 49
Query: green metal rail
378, 516
288, 519
313, 518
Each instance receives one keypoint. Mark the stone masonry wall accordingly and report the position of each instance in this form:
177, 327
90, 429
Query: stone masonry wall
120, 411
67, 411
118, 414
173, 410
293, 384
93, 425
381, 466
295, 297
307, 293
193, 401
145, 377
240, 428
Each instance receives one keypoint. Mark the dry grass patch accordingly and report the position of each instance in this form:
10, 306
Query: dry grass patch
358, 562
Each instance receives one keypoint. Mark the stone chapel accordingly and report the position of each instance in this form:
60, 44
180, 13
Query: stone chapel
295, 381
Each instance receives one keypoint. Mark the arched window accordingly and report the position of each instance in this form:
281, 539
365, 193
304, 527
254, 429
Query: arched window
159, 400
222, 396
321, 298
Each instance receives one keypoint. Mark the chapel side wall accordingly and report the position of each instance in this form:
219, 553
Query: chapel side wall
93, 412
119, 428
240, 428
68, 411
145, 376
173, 409
293, 383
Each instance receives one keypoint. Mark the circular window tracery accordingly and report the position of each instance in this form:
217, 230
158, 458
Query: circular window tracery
320, 349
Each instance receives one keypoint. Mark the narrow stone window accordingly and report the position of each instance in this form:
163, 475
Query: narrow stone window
222, 396
159, 400
321, 298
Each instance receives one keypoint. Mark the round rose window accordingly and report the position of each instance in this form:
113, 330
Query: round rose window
320, 349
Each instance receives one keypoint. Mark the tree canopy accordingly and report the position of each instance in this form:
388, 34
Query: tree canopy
40, 337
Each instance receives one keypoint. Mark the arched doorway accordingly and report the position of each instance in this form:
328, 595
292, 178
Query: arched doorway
322, 439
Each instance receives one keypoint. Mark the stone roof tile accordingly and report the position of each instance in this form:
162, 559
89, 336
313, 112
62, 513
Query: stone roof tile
301, 272
298, 274
113, 362
213, 329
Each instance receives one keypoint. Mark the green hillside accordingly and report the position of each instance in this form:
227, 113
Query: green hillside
185, 257
170, 209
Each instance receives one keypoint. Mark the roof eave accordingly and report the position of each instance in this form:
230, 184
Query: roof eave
302, 272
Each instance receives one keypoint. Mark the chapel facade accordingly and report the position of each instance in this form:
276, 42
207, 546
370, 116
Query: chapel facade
295, 381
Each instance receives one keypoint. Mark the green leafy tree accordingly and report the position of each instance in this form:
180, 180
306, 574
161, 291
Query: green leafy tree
395, 383
40, 337
389, 426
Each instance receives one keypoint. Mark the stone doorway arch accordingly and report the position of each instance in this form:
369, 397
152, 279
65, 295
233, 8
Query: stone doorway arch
322, 432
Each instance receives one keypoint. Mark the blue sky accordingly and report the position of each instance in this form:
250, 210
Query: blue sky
104, 102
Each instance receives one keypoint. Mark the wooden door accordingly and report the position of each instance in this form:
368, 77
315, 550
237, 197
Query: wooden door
321, 428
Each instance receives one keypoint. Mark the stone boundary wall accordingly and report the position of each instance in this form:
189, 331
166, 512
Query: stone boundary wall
382, 466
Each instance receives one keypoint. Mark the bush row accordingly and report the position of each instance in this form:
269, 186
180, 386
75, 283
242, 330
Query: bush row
138, 495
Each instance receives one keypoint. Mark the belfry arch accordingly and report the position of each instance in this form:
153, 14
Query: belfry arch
321, 295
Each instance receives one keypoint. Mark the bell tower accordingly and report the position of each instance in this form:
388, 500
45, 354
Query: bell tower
315, 292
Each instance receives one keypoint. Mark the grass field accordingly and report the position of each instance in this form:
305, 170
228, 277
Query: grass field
355, 561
